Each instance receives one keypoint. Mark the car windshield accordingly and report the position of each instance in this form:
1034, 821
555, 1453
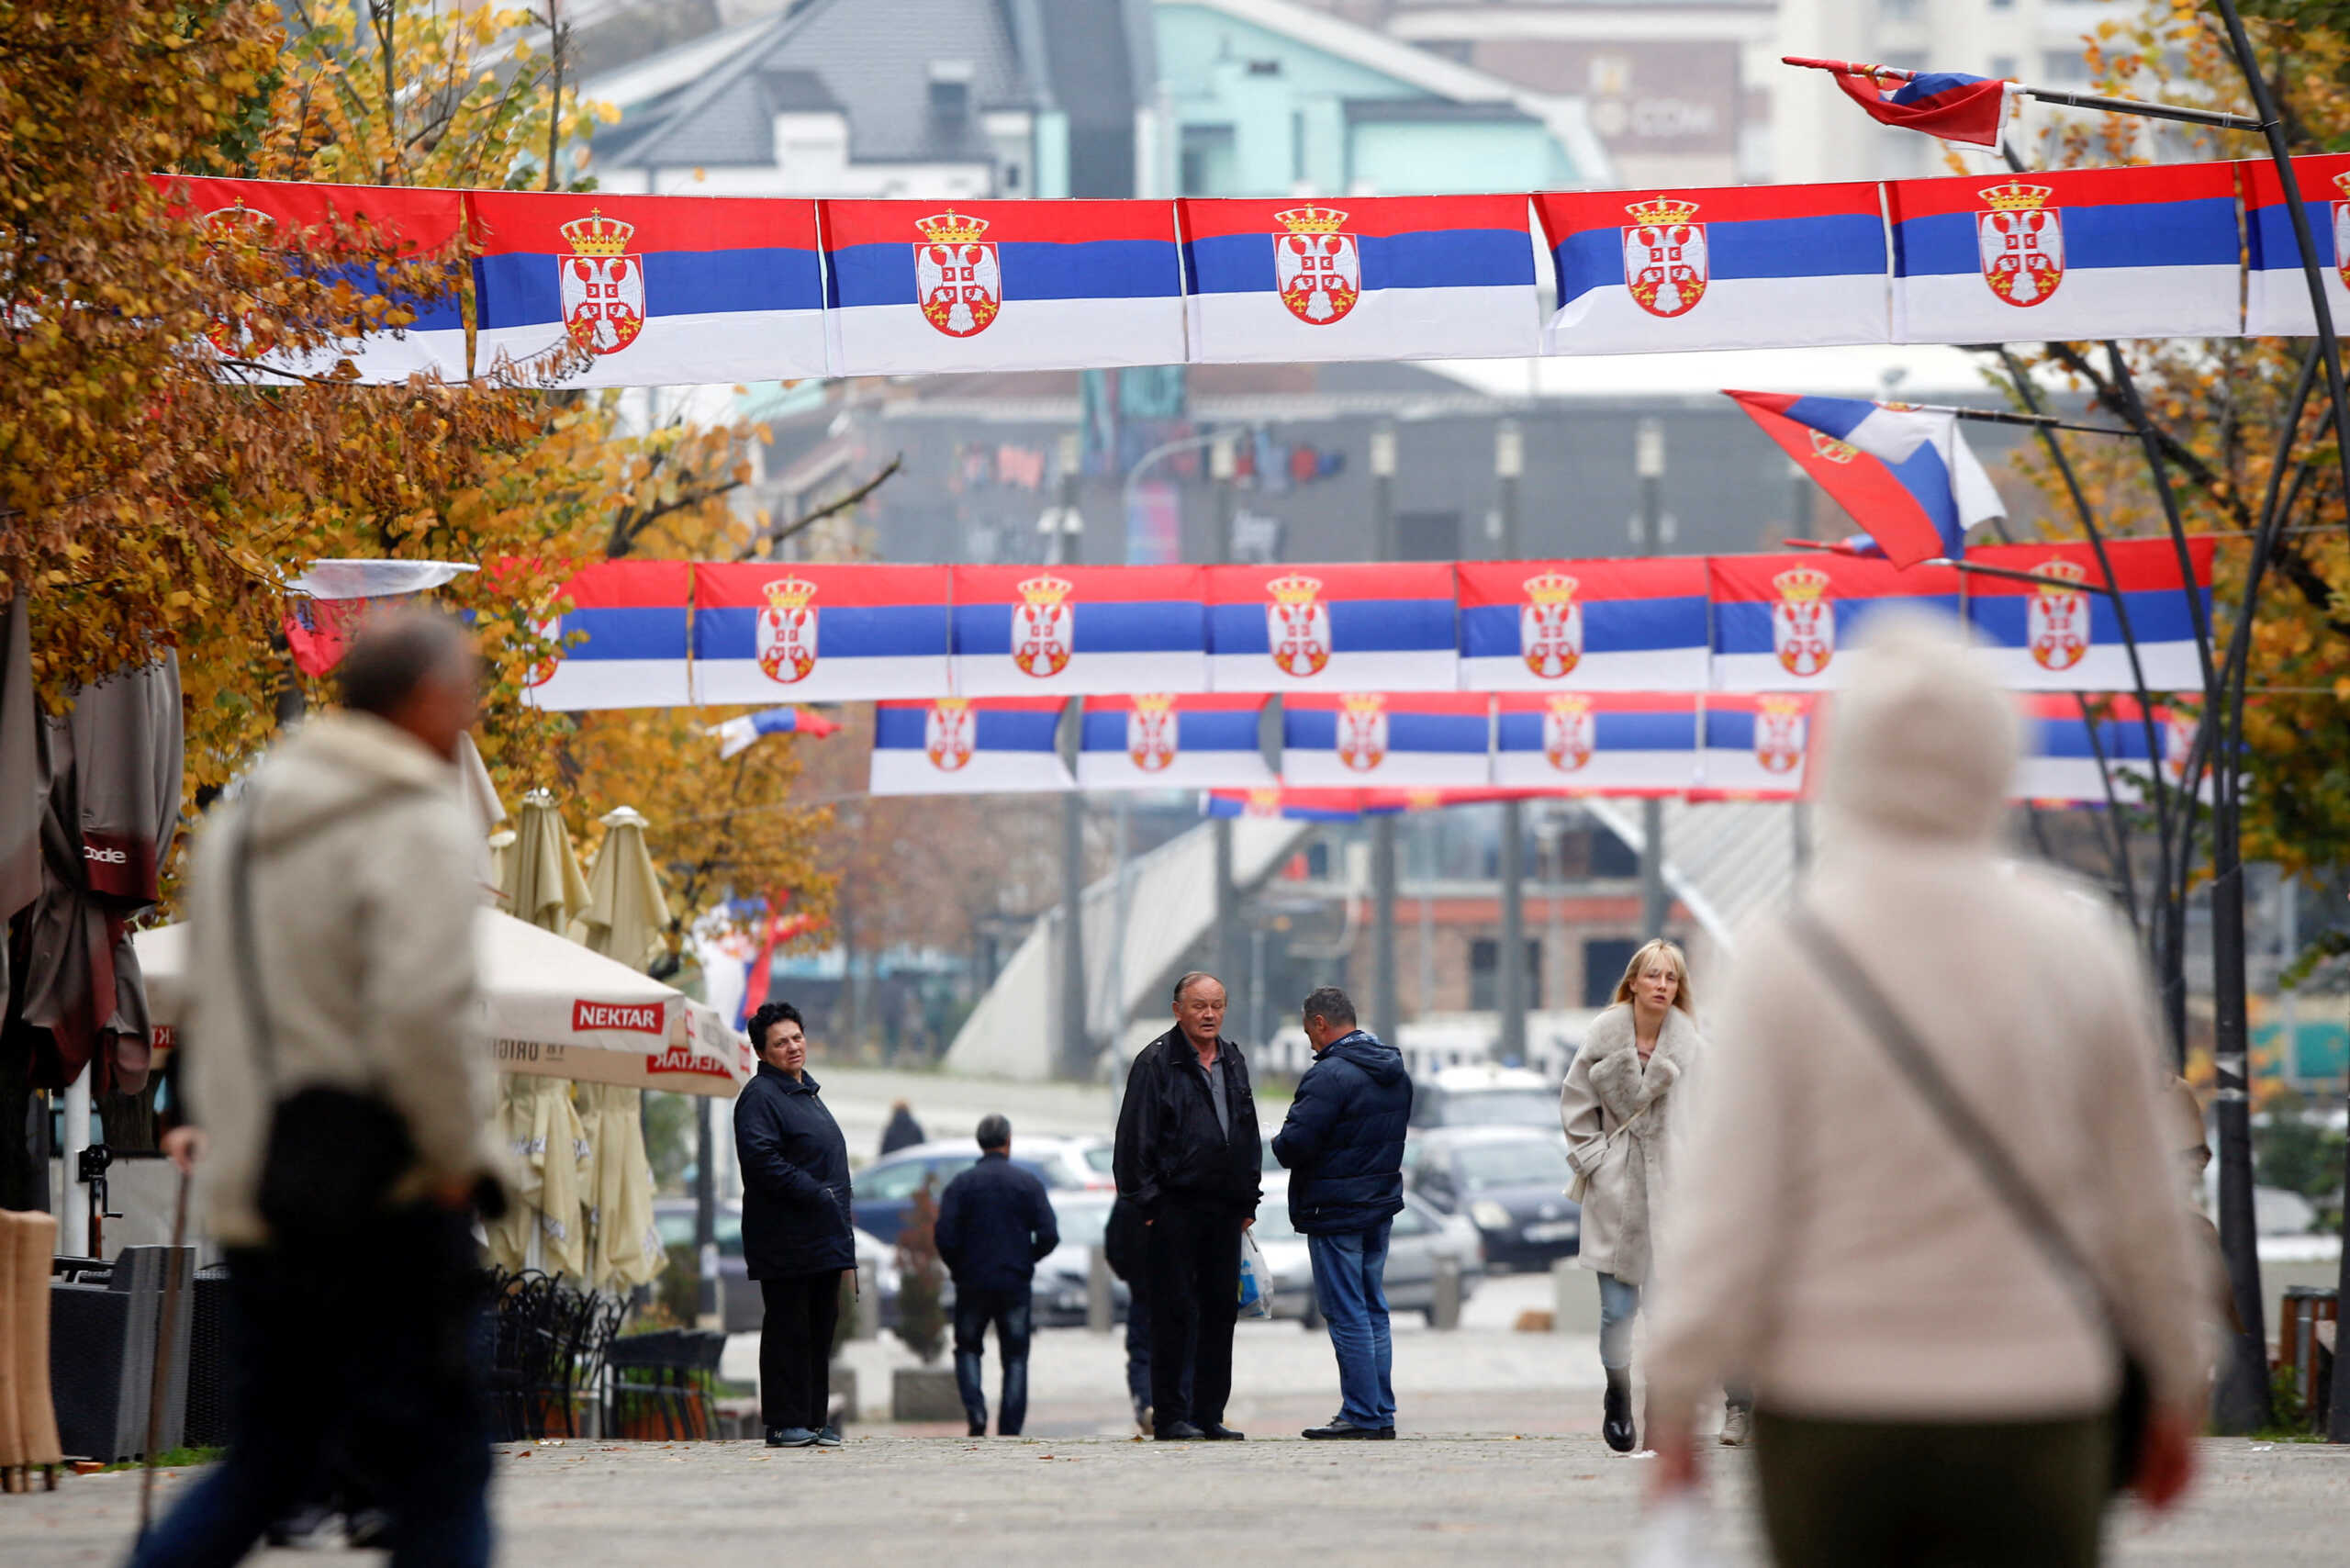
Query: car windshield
1100, 1157
1081, 1224
1501, 1108
1520, 1162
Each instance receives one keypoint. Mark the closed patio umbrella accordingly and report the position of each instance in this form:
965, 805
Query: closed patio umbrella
544, 884
626, 921
627, 918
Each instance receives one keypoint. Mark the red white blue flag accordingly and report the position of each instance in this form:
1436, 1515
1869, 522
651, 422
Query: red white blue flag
736, 736
648, 291
1604, 743
2060, 635
1388, 627
1749, 266
1386, 739
2142, 252
1367, 277
1757, 747
1942, 102
1906, 475
2277, 295
1583, 625
771, 630
621, 643
1157, 740
1080, 629
967, 746
1789, 623
2061, 764
1291, 805
918, 286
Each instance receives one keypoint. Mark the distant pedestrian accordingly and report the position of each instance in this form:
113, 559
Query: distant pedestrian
1187, 1157
796, 1228
339, 1090
1343, 1143
1926, 1199
1617, 1106
904, 1131
994, 1226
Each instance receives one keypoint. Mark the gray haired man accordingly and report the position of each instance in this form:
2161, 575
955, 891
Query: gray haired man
995, 1224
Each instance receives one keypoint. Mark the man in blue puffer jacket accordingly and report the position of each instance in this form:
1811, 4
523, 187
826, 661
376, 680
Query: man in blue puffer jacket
1343, 1144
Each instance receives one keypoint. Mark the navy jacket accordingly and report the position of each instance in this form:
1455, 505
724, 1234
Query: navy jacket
795, 1179
1170, 1145
1344, 1139
994, 1224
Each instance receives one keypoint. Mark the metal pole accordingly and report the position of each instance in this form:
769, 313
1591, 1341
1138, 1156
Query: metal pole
1074, 1054
1383, 1017
1067, 538
708, 1313
74, 1235
1647, 459
1221, 465
1511, 973
1384, 544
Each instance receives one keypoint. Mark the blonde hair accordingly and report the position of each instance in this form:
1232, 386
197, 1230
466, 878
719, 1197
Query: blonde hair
1660, 948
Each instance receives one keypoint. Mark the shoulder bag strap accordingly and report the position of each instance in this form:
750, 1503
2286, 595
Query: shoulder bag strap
1881, 1019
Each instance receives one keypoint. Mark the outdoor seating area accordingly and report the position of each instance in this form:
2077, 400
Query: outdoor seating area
559, 1366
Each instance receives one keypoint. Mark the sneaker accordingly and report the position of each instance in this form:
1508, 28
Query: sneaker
1738, 1426
792, 1436
828, 1436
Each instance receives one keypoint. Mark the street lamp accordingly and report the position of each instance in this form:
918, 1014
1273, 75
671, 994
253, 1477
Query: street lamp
1648, 530
1383, 492
1509, 463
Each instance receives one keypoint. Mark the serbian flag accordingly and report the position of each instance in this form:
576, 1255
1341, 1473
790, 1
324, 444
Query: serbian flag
1907, 475
623, 642
1942, 102
1607, 743
966, 745
2060, 634
736, 736
915, 285
1156, 740
1386, 739
2144, 253
1757, 747
1787, 622
658, 291
1386, 627
1078, 629
1740, 267
1583, 625
822, 634
1366, 278
2060, 762
1289, 806
341, 235
2277, 295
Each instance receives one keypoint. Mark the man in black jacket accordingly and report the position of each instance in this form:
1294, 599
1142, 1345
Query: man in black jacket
796, 1237
1187, 1159
994, 1224
1343, 1143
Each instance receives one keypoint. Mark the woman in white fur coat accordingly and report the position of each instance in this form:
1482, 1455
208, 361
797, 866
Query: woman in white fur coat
1617, 1107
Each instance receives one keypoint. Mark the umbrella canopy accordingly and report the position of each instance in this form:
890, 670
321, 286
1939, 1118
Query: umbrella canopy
627, 917
544, 884
553, 1009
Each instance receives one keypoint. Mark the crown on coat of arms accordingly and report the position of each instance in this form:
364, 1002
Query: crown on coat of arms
789, 593
1263, 802
1423, 798
1552, 588
1829, 447
1662, 209
1294, 588
1154, 702
951, 228
1045, 590
1780, 707
596, 235
2016, 197
1362, 703
950, 707
1569, 704
1312, 219
2342, 182
1803, 585
2071, 572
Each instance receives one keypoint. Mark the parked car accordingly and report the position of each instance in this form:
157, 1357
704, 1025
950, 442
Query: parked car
1064, 1276
883, 1192
739, 1298
1510, 1182
1419, 1236
1484, 1096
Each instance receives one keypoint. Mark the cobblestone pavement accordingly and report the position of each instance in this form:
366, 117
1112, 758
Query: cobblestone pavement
1427, 1499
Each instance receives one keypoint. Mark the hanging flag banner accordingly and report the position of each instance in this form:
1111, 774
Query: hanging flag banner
1757, 747
1947, 104
2276, 293
1002, 285
622, 641
1789, 623
768, 631
2062, 744
1583, 625
345, 234
1367, 277
1607, 743
2142, 252
1385, 738
965, 745
1078, 629
1156, 740
738, 735
647, 291
1906, 475
1384, 627
2060, 635
1291, 805
1747, 267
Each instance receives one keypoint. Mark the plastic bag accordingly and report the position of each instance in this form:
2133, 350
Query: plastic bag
1677, 1533
1255, 1280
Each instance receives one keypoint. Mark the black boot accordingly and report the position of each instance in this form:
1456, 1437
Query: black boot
1616, 1424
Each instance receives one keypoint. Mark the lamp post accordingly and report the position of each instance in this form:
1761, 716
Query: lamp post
1065, 539
1385, 1019
1648, 461
1222, 464
1384, 544
1509, 466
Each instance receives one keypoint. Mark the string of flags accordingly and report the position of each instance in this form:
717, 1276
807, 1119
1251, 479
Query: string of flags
598, 289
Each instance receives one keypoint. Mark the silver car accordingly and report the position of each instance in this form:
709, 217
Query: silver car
1419, 1238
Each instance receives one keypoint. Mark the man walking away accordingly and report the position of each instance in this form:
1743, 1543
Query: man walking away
1343, 1143
341, 1093
994, 1223
904, 1131
1187, 1159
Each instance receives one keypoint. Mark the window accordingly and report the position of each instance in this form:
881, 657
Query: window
1611, 856
1484, 977
894, 1184
2064, 65
1513, 1164
2004, 67
1604, 960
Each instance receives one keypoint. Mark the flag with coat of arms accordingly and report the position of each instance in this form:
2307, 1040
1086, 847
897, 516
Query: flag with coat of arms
1905, 474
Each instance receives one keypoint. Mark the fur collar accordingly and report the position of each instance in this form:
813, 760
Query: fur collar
1616, 1073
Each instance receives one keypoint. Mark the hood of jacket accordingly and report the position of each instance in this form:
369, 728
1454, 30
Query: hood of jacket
337, 764
1921, 745
1379, 1062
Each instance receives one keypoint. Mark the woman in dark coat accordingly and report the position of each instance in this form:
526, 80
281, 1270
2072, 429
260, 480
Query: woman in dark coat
796, 1229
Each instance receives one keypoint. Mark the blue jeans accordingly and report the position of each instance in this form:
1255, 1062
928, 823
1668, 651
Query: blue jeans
1349, 1280
1618, 1304
1009, 1311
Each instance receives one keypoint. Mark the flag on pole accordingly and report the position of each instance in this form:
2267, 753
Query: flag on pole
1906, 475
736, 736
1942, 103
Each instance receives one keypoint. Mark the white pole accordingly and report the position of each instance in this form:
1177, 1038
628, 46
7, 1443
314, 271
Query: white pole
74, 1235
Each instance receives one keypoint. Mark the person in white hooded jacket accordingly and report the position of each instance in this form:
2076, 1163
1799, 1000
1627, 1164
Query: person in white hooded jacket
1924, 1376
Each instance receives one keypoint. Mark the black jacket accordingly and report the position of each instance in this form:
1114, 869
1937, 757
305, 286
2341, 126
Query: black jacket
1343, 1141
903, 1132
995, 1224
1168, 1143
795, 1179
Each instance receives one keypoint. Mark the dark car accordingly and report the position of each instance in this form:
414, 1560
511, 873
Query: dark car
1510, 1182
883, 1192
